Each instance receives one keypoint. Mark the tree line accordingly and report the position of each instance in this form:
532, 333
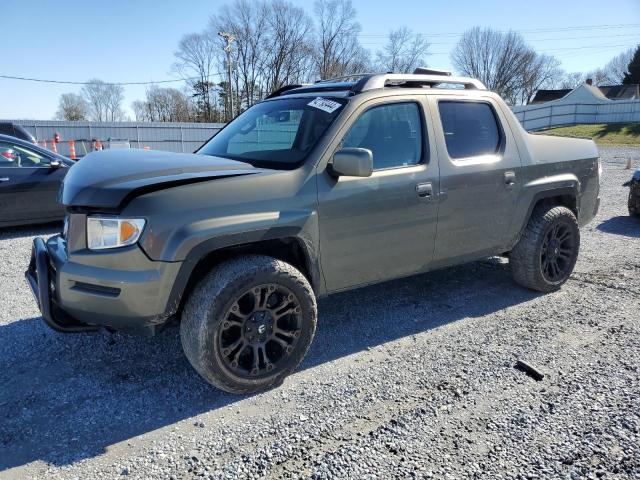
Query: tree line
276, 43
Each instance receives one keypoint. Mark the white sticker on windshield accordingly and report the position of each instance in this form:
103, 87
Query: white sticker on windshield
328, 106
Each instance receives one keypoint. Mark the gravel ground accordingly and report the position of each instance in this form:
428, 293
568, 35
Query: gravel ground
413, 378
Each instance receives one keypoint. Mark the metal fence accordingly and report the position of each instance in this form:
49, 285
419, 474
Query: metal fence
187, 137
168, 136
536, 117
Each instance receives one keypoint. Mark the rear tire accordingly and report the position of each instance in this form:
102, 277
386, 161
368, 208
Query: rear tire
249, 323
544, 257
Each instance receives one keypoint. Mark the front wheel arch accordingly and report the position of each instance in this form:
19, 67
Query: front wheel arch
291, 249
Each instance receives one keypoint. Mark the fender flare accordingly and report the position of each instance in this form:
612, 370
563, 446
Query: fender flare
572, 191
243, 239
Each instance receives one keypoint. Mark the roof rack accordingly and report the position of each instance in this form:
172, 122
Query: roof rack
353, 76
372, 82
281, 90
431, 71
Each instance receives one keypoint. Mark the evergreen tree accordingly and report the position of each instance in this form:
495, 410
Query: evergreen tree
633, 70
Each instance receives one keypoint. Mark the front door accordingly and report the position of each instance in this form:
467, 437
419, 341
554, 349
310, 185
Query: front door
380, 227
480, 177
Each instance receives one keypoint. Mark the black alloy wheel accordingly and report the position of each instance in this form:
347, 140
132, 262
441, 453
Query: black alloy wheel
558, 250
260, 330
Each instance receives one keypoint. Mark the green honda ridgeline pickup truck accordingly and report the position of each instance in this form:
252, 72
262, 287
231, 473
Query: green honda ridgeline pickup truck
318, 189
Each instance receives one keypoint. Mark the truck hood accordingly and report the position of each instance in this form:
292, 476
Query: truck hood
108, 179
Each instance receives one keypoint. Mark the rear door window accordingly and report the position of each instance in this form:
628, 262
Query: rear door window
470, 128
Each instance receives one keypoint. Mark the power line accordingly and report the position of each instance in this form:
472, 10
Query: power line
534, 30
590, 37
71, 82
561, 49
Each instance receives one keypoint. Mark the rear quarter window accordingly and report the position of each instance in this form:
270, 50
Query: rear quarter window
471, 129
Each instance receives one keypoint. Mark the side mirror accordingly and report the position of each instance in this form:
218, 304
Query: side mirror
352, 162
55, 164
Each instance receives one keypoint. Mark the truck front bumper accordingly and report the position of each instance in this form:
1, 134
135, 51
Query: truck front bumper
75, 296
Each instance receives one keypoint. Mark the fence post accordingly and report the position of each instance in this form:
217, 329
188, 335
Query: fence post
181, 139
138, 136
550, 115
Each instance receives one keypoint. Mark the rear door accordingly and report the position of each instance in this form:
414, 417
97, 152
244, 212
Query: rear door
383, 226
29, 185
480, 177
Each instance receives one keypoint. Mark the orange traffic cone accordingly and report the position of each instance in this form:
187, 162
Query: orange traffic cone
72, 149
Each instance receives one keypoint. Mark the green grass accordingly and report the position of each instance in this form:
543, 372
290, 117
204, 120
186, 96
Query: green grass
608, 134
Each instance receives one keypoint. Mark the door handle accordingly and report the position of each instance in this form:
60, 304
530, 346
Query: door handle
510, 179
425, 191
4, 179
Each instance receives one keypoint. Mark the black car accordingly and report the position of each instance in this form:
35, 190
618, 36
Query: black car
30, 179
18, 131
634, 194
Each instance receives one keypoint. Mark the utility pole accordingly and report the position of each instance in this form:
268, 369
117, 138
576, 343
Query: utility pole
229, 39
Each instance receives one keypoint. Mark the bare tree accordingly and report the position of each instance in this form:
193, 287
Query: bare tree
140, 110
71, 107
403, 52
164, 105
497, 59
197, 62
541, 71
338, 51
611, 74
104, 101
599, 77
288, 49
247, 21
618, 66
572, 80
114, 97
504, 63
272, 47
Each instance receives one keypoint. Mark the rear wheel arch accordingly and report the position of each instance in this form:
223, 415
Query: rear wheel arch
561, 197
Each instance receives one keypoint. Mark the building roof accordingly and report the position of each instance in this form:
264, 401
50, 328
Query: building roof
621, 92
611, 92
543, 96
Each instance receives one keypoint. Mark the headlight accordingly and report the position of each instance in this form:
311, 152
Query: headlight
111, 232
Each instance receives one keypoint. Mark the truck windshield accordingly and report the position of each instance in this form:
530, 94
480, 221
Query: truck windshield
275, 134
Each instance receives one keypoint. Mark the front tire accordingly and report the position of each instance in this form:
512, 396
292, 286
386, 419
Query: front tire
544, 257
249, 323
